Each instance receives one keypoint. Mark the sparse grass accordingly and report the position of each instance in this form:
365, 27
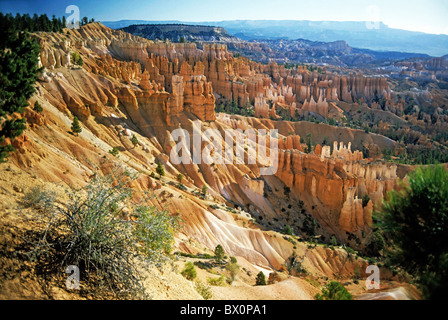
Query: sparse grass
233, 269
217, 282
203, 290
39, 198
314, 283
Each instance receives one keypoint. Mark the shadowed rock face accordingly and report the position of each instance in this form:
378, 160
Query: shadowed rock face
129, 85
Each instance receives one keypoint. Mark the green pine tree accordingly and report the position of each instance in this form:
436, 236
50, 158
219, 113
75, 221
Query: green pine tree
160, 170
261, 279
219, 253
309, 145
37, 107
18, 74
76, 127
414, 222
134, 140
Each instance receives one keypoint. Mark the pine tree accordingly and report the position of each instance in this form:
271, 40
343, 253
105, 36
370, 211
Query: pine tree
219, 253
76, 127
18, 74
414, 222
84, 21
37, 107
261, 279
160, 170
134, 140
309, 145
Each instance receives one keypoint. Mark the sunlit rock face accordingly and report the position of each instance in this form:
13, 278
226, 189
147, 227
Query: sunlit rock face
129, 85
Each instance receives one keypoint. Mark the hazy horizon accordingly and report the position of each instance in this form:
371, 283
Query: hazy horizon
412, 15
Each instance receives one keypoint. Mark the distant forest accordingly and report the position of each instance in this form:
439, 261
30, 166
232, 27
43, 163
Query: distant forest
11, 23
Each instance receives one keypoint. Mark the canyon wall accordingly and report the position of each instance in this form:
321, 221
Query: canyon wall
128, 85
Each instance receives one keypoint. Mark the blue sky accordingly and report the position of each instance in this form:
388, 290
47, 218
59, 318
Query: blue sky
417, 15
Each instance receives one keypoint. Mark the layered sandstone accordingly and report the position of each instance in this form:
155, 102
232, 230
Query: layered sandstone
129, 85
337, 180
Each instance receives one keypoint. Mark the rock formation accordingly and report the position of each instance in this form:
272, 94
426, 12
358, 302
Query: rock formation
129, 85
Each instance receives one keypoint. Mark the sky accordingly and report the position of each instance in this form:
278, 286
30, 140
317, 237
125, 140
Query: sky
430, 16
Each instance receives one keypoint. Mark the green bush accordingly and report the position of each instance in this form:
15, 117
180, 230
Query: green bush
233, 269
89, 229
288, 230
414, 220
261, 279
333, 241
154, 231
37, 107
334, 291
203, 265
182, 187
160, 170
376, 244
114, 151
134, 140
189, 271
39, 199
217, 282
76, 58
365, 200
203, 290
